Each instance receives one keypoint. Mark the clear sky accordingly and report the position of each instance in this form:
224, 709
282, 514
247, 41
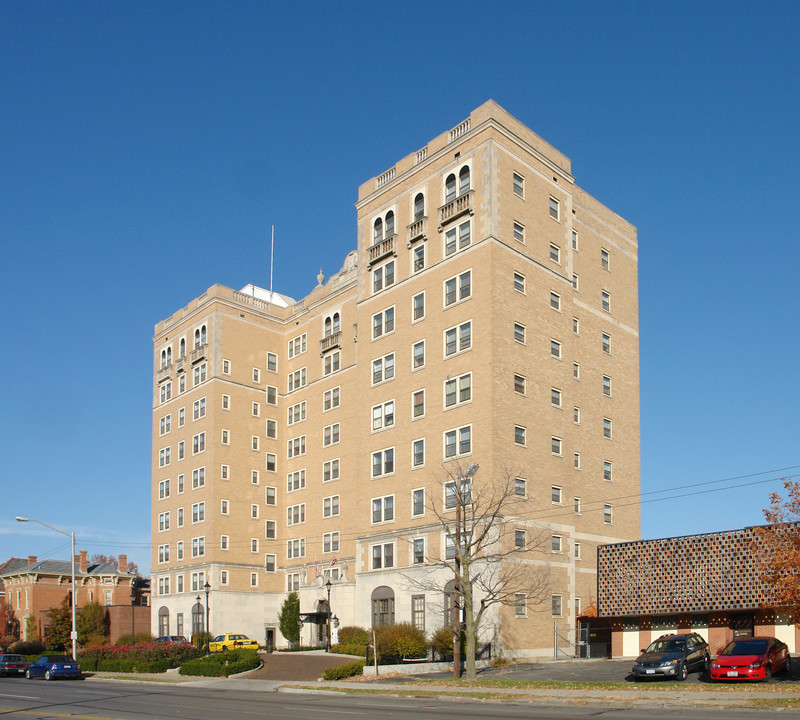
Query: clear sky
146, 148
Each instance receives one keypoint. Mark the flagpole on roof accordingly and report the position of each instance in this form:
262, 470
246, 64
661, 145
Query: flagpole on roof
271, 257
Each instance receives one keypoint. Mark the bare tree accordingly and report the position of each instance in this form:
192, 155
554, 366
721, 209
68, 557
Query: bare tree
489, 549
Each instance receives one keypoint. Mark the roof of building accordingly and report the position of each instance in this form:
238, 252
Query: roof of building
267, 295
12, 564
62, 567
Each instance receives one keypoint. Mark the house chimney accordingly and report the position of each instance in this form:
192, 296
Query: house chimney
122, 564
31, 559
83, 561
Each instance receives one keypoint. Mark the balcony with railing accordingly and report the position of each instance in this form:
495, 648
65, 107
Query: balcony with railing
382, 249
163, 372
180, 364
329, 342
198, 353
417, 231
456, 208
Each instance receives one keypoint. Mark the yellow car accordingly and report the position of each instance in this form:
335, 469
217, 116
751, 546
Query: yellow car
231, 641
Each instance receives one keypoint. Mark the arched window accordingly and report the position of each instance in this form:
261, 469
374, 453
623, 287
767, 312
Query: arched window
389, 224
450, 188
163, 359
183, 347
203, 338
377, 231
328, 327
463, 180
197, 338
197, 618
382, 606
337, 323
419, 206
169, 355
163, 621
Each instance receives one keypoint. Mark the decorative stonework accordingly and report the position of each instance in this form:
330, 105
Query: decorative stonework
689, 574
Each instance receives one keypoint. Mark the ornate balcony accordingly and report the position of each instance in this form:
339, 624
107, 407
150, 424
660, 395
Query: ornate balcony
198, 353
417, 231
382, 249
329, 342
163, 372
180, 364
456, 208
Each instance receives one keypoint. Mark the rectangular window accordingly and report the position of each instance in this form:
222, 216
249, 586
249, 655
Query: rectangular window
576, 460
270, 529
180, 550
332, 363
164, 456
256, 375
605, 301
198, 547
555, 445
418, 551
383, 323
296, 447
458, 390
607, 470
519, 232
254, 477
457, 288
519, 435
608, 514
576, 553
554, 208
272, 395
575, 282
576, 415
297, 346
200, 374
606, 428
555, 349
457, 238
272, 429
555, 605
270, 562
225, 437
576, 326
330, 470
292, 582
330, 506
165, 392
296, 480
576, 371
606, 386
418, 404
458, 339
271, 462
418, 355
165, 425
254, 442
418, 611
256, 409
198, 478
418, 307
383, 276
520, 605
198, 512
555, 495
418, 453
163, 489
270, 495
519, 539
330, 542
383, 509
555, 253
163, 553
418, 258
296, 514
272, 362
519, 384
450, 545
330, 400
555, 397
223, 577
296, 549
458, 442
519, 185
555, 543
383, 369
226, 402
180, 517
296, 379
576, 505
519, 333
383, 415
606, 343
181, 417
226, 367
296, 413
604, 258
574, 240
418, 502
519, 282
330, 435
520, 487
382, 556
383, 462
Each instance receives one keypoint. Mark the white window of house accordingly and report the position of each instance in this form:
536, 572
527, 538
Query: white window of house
555, 445
292, 582
296, 548
270, 561
418, 258
519, 282
200, 373
382, 556
605, 301
418, 355
383, 509
181, 417
555, 349
519, 333
163, 489
458, 442
272, 429
519, 232
606, 428
383, 462
607, 471
457, 288
224, 542
296, 413
198, 443
606, 343
519, 185
604, 259
198, 478
254, 442
556, 605
272, 362
576, 505
418, 404
224, 507
606, 386
520, 605
418, 453
383, 415
383, 369
576, 371
330, 399
165, 425
554, 209
383, 276
575, 281
519, 435
272, 395
198, 547
576, 415
330, 435
165, 392
576, 326
555, 253
575, 240
296, 380
418, 307
418, 502
608, 516
576, 460
330, 470
519, 383
332, 363
330, 506
383, 323
330, 542
296, 514
296, 480
458, 339
271, 462
256, 375
555, 543
555, 495
418, 551
225, 437
458, 390
555, 397
270, 495
164, 456
296, 447
270, 529
297, 346
520, 487
198, 512
519, 539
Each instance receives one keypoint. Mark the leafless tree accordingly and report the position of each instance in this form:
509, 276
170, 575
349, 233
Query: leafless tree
490, 549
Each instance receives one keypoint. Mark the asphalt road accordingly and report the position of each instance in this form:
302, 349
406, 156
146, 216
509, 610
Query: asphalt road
102, 700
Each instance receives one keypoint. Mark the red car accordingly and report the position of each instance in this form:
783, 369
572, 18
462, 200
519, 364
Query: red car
755, 658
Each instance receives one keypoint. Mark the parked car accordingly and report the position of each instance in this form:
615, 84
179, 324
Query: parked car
231, 641
174, 639
12, 665
673, 656
51, 667
754, 658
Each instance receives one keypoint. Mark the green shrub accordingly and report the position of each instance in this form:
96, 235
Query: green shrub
94, 641
199, 639
158, 657
124, 666
299, 648
342, 672
28, 647
222, 664
142, 637
353, 649
352, 635
397, 642
442, 643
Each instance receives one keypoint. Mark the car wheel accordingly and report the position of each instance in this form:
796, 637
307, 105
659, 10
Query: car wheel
224, 648
683, 671
28, 675
706, 662
767, 673
787, 668
48, 675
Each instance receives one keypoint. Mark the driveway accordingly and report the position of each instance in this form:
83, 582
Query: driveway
295, 666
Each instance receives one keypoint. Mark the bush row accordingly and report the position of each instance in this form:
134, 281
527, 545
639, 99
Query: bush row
342, 672
124, 666
394, 642
222, 664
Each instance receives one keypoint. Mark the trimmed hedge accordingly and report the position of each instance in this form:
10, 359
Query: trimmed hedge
125, 666
222, 664
141, 657
352, 649
342, 672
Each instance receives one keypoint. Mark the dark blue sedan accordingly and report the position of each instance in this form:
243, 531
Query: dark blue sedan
52, 667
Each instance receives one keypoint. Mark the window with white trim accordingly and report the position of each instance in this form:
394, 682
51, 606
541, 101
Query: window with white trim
330, 470
555, 605
296, 480
181, 417
554, 209
163, 521
458, 288
418, 404
163, 489
383, 462
270, 495
606, 343
330, 506
297, 346
330, 435
605, 300
418, 258
198, 477
198, 512
555, 397
519, 282
383, 369
255, 442
270, 563
458, 339
165, 425
200, 373
382, 509
256, 375
270, 529
555, 445
555, 253
576, 371
520, 433
519, 384
418, 502
519, 333
520, 487
607, 471
272, 395
296, 514
383, 415
330, 399
198, 547
606, 386
224, 507
272, 429
272, 362
575, 281
418, 307
458, 442
224, 542
165, 391
576, 326
296, 548
519, 232
330, 542
457, 238
383, 323
520, 605
292, 581
519, 539
296, 380
608, 514
383, 276
458, 390
607, 428
164, 456
296, 447
519, 185
418, 551
575, 240
576, 505
418, 453
604, 259
296, 413
555, 349
225, 437
418, 355
271, 462
576, 460
382, 556
332, 363
555, 543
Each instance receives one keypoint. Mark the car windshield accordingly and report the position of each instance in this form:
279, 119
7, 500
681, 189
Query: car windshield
745, 647
668, 645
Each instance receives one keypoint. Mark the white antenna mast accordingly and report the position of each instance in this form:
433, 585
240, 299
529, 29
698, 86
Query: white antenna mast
271, 256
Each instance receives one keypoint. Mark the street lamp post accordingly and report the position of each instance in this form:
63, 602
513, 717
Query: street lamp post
71, 535
207, 588
133, 602
328, 638
197, 619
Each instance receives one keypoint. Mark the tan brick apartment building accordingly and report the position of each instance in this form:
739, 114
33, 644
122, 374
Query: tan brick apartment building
489, 315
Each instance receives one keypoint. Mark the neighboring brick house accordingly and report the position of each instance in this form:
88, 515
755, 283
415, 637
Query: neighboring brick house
33, 587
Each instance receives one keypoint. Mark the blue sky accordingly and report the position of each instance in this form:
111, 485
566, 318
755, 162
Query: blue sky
146, 149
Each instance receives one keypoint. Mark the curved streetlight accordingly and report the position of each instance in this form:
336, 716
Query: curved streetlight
71, 535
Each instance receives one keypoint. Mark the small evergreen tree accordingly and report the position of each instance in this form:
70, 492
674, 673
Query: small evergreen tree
31, 628
288, 617
91, 621
60, 626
